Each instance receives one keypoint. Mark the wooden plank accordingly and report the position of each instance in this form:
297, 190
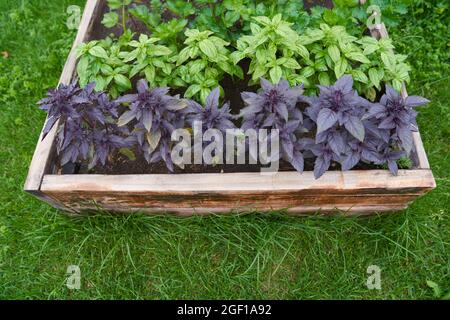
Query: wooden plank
376, 190
43, 155
46, 198
210, 182
244, 202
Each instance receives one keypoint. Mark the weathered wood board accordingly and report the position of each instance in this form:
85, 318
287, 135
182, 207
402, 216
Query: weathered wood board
351, 192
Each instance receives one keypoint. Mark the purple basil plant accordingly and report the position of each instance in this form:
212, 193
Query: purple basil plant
351, 130
275, 107
211, 115
59, 104
87, 129
155, 115
341, 134
397, 115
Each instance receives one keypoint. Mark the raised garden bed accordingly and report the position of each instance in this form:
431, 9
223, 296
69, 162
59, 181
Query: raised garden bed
352, 192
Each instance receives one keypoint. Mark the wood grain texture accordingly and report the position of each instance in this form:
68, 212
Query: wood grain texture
352, 192
412, 181
376, 190
45, 148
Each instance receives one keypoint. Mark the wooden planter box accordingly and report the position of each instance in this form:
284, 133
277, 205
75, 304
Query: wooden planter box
359, 192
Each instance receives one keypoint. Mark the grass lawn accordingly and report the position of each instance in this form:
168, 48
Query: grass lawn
247, 256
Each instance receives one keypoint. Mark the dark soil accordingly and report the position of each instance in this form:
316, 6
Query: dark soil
121, 165
308, 4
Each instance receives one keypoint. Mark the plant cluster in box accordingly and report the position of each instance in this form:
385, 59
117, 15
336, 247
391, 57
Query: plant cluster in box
329, 91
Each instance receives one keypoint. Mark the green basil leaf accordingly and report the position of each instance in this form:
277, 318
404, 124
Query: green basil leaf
340, 68
334, 53
307, 72
208, 48
110, 19
275, 74
357, 56
100, 83
122, 81
397, 85
115, 4
374, 77
204, 93
324, 79
359, 76
388, 60
82, 69
192, 90
160, 51
291, 64
107, 70
197, 66
150, 74
98, 52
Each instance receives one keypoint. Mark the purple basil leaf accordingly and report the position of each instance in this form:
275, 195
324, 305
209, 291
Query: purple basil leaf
393, 168
298, 162
350, 161
321, 165
326, 119
405, 136
415, 101
355, 127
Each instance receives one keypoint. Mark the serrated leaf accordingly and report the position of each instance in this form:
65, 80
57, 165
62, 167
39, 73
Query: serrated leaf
153, 139
374, 77
340, 68
260, 71
82, 68
308, 72
291, 64
236, 56
197, 66
360, 76
357, 56
107, 70
125, 118
150, 74
355, 127
122, 81
160, 51
302, 51
100, 83
98, 52
326, 119
208, 48
183, 56
275, 74
110, 19
334, 53
388, 60
192, 90
324, 79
